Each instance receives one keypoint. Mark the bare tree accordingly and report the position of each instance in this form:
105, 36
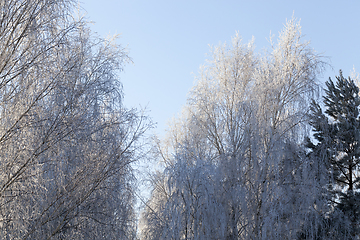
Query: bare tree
244, 120
67, 142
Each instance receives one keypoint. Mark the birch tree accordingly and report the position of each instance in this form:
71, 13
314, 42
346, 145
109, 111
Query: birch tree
67, 142
245, 120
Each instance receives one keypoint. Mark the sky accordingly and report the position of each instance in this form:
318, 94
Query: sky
169, 40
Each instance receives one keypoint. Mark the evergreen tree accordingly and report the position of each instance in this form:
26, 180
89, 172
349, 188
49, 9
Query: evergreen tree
337, 148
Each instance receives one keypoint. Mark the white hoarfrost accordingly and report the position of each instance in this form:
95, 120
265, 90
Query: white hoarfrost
234, 163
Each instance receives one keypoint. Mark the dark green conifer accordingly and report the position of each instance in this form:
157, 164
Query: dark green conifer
337, 135
342, 103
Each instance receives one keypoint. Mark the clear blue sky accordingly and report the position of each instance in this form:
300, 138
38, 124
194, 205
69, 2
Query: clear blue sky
169, 40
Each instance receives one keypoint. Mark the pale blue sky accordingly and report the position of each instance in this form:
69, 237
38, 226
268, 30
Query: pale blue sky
169, 40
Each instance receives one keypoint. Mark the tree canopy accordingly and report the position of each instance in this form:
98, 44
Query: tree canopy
254, 154
67, 142
235, 163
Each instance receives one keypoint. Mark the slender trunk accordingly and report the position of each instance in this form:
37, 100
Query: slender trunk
350, 177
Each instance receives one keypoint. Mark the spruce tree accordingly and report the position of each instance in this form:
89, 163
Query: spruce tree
337, 133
